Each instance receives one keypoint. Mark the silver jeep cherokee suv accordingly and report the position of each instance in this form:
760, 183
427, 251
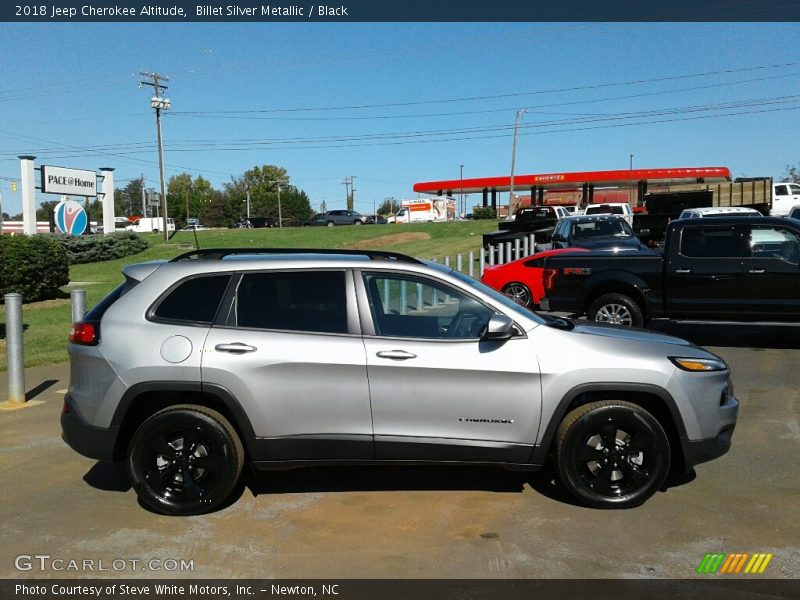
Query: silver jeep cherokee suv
288, 358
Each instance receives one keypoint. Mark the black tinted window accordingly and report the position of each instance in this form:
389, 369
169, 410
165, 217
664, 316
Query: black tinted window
308, 301
195, 300
710, 242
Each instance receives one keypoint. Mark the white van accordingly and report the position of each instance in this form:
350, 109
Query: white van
151, 225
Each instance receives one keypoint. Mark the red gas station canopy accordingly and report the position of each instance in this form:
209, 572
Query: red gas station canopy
556, 181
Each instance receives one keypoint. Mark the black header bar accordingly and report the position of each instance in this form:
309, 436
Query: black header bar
330, 11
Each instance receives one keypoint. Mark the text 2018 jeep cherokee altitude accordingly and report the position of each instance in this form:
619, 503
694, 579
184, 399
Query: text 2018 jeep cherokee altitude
306, 357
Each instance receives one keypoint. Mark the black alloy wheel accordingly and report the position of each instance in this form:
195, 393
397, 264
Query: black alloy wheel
185, 460
612, 454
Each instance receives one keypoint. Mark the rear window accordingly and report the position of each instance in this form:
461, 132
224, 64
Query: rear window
97, 312
194, 300
604, 210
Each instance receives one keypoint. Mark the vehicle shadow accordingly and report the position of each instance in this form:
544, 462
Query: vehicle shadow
109, 477
741, 335
386, 478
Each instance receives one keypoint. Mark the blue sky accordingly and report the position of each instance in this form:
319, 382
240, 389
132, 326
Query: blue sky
431, 97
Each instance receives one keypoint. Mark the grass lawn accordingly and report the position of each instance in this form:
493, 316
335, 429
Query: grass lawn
47, 323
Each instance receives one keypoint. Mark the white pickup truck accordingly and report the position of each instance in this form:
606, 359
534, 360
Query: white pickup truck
785, 196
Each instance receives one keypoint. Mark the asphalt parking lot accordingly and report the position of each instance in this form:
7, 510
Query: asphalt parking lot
374, 522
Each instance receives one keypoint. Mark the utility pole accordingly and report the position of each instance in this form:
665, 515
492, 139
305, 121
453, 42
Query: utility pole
280, 216
348, 182
352, 193
247, 194
513, 160
144, 200
159, 103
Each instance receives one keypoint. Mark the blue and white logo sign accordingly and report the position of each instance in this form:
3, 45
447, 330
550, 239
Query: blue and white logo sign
70, 217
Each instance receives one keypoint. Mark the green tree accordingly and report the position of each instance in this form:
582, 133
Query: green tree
128, 200
792, 173
44, 210
187, 197
263, 182
388, 207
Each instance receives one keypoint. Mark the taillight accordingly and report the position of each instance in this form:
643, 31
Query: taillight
549, 278
83, 333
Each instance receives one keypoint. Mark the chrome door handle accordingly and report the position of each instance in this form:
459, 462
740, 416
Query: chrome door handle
683, 271
757, 271
396, 354
235, 347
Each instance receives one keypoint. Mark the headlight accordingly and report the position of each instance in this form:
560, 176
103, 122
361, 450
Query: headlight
698, 364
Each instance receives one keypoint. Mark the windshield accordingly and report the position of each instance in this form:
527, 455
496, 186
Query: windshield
495, 295
604, 228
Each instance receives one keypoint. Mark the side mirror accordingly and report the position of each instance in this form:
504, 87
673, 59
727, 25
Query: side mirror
500, 327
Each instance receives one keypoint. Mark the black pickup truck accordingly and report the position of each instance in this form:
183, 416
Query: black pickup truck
530, 219
732, 268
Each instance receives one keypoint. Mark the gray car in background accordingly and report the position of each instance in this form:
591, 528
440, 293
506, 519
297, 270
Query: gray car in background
281, 358
336, 217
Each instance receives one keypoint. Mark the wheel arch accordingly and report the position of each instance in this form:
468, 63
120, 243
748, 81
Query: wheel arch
145, 399
628, 286
655, 400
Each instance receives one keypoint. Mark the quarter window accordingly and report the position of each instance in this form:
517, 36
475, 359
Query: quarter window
195, 300
293, 301
408, 306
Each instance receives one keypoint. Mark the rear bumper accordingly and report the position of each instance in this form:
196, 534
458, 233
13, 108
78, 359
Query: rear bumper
88, 440
700, 451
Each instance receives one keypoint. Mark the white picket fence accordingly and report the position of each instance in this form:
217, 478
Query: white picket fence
495, 255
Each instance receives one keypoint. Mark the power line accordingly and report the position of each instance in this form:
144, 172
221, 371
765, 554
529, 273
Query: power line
497, 96
353, 139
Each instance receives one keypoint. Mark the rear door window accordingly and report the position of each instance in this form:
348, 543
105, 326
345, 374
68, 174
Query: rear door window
305, 301
710, 242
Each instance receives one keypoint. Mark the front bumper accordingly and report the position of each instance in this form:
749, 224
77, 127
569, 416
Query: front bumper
88, 440
700, 451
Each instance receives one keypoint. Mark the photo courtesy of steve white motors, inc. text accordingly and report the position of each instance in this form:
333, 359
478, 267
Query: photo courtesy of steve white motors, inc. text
263, 11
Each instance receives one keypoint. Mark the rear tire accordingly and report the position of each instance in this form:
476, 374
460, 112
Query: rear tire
611, 454
185, 460
616, 309
331, 224
519, 293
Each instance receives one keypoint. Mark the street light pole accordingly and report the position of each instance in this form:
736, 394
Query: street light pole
514, 159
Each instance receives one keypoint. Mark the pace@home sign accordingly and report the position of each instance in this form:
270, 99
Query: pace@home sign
73, 182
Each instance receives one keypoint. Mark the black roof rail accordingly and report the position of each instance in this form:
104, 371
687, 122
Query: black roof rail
220, 253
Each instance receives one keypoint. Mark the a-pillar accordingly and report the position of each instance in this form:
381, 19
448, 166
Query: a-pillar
107, 173
28, 186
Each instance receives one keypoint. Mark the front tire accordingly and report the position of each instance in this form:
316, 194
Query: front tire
519, 293
185, 460
331, 224
611, 454
616, 309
